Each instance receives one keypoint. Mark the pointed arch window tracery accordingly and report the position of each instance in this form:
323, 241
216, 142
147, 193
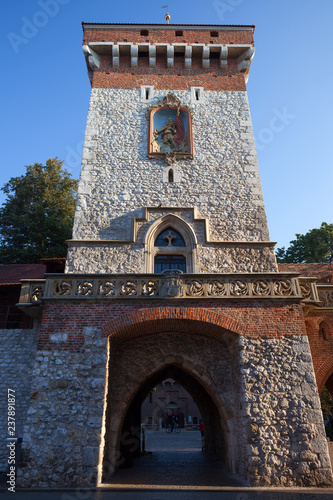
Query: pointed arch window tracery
170, 244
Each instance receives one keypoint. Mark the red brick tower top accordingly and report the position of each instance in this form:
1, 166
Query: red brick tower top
173, 56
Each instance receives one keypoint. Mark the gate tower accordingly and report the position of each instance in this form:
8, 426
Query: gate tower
171, 273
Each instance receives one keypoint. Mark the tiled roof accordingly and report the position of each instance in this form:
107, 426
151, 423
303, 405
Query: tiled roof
13, 273
163, 25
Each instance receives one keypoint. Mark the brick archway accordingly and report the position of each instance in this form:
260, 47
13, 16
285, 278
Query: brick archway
182, 319
325, 373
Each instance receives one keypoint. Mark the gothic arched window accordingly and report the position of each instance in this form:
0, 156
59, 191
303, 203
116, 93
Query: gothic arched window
169, 241
170, 244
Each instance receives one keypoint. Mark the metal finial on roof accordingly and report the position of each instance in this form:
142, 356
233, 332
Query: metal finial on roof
167, 16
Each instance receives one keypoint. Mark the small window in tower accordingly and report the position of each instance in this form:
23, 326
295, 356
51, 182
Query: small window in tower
170, 175
144, 32
179, 33
214, 34
197, 95
147, 93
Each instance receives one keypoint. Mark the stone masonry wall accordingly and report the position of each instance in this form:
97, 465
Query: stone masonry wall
118, 180
283, 422
63, 427
17, 351
276, 436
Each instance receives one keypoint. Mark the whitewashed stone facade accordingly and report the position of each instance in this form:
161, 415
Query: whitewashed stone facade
118, 181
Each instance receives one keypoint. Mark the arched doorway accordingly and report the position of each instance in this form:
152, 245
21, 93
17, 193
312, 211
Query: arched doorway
215, 442
202, 364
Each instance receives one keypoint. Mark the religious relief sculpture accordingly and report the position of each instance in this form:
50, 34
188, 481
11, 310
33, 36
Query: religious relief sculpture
170, 129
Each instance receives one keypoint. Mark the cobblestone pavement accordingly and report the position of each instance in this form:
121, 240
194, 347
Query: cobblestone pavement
178, 470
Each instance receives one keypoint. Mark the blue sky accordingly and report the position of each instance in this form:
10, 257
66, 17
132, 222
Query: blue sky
46, 91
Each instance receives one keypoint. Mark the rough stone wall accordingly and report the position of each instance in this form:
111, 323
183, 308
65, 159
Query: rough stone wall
124, 258
319, 322
283, 423
62, 432
264, 390
17, 351
118, 180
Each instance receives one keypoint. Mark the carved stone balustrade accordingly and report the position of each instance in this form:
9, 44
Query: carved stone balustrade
309, 290
170, 284
32, 291
325, 293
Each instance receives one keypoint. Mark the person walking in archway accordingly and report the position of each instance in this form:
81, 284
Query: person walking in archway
202, 430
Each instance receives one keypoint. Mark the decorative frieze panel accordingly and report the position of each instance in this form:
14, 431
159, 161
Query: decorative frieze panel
325, 293
170, 284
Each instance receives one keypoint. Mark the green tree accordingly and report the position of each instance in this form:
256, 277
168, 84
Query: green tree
314, 246
37, 216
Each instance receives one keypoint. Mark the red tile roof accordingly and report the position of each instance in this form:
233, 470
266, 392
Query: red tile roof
13, 273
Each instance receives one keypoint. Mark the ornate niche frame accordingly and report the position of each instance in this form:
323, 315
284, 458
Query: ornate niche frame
170, 130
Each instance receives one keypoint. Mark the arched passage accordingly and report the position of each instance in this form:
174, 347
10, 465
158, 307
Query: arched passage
325, 376
202, 363
215, 441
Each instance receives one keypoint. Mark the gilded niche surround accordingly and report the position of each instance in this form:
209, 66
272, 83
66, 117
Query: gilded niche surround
170, 129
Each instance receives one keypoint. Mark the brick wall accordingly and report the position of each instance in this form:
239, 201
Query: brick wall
212, 78
112, 33
319, 324
320, 270
319, 329
163, 78
255, 320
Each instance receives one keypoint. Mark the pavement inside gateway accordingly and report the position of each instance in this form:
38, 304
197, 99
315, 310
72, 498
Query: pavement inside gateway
175, 459
174, 468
